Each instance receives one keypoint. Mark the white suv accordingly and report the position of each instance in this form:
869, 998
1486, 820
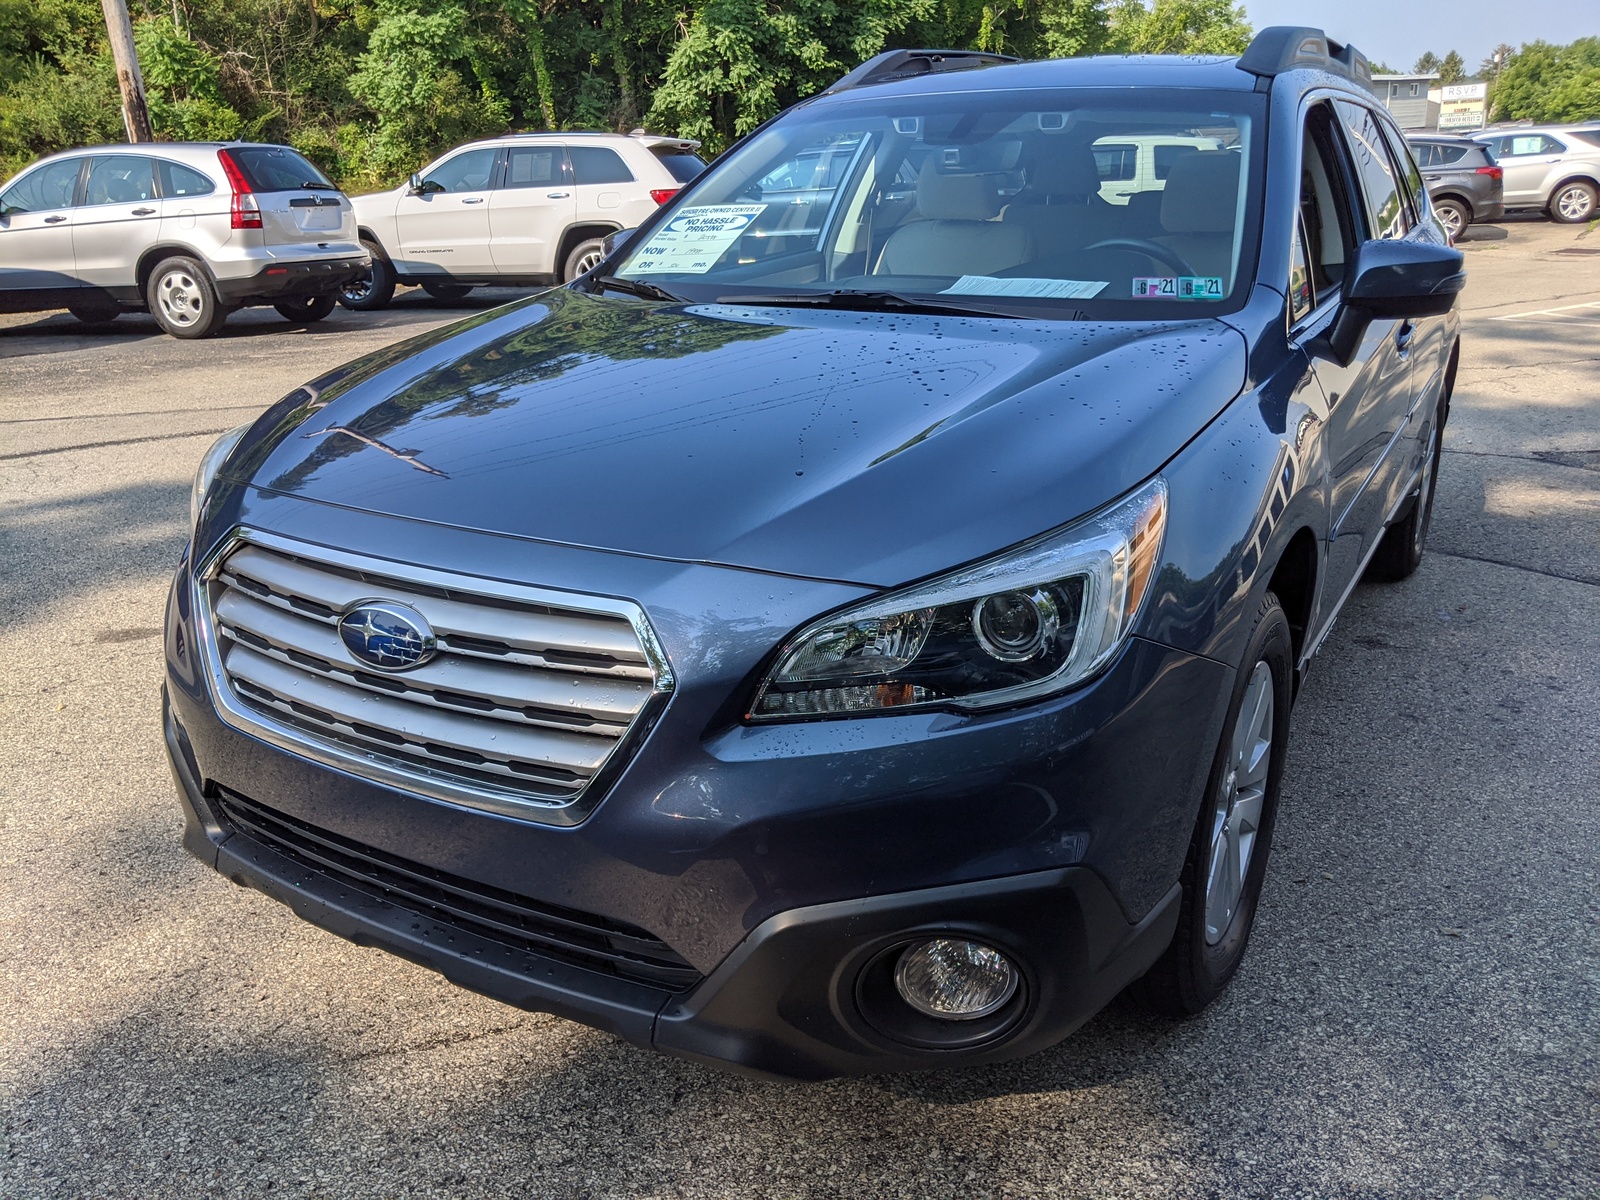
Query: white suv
189, 230
522, 210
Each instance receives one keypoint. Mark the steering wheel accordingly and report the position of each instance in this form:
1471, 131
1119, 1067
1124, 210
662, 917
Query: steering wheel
1162, 254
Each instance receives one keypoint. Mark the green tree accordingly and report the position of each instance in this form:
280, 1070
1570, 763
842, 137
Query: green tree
1178, 27
184, 85
1426, 65
1551, 83
1452, 68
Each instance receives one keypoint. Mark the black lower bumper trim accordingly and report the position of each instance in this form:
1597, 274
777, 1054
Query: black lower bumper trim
287, 281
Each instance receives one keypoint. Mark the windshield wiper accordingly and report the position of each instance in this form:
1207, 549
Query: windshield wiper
313, 186
636, 287
865, 302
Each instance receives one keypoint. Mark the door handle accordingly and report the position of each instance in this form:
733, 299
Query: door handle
1403, 335
472, 200
54, 220
557, 195
143, 212
1433, 178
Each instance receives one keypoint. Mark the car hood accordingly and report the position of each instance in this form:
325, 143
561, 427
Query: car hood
863, 447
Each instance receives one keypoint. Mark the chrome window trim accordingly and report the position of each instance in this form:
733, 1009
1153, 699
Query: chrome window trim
393, 773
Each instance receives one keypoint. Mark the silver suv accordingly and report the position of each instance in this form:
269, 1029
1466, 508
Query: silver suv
1553, 167
188, 230
521, 210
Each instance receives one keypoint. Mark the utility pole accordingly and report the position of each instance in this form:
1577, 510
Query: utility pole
135, 112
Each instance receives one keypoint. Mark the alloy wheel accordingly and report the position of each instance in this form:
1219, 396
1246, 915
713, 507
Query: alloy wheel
1450, 218
357, 290
1240, 800
1574, 203
587, 262
181, 298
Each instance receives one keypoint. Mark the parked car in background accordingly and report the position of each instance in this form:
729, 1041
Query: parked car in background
1464, 181
867, 648
190, 231
1551, 167
521, 210
1141, 162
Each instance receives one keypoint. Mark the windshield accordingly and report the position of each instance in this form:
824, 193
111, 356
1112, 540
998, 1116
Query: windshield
1040, 203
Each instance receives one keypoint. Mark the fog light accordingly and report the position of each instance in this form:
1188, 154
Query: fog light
955, 980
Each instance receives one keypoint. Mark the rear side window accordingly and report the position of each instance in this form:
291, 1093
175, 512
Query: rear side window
1527, 143
277, 169
1592, 136
178, 180
1115, 162
1386, 208
121, 179
597, 164
1445, 155
534, 166
680, 164
48, 188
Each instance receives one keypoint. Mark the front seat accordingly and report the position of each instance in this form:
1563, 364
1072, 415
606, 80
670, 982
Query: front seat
1061, 208
956, 234
1199, 208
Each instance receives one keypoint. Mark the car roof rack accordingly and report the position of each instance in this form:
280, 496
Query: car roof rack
907, 64
1281, 48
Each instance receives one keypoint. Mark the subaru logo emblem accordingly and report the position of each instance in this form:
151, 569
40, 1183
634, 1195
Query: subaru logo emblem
389, 636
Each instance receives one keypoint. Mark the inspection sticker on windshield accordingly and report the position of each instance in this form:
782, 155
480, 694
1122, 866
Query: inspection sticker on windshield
692, 241
1177, 287
1054, 289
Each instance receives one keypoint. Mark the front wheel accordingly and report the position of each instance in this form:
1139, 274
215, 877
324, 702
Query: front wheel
1453, 215
183, 300
1227, 859
1400, 553
305, 309
373, 290
447, 292
585, 257
1574, 202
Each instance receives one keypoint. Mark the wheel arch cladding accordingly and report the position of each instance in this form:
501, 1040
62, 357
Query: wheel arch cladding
156, 255
1294, 583
580, 233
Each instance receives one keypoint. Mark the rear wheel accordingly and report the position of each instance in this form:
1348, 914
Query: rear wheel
1453, 215
448, 292
305, 309
1400, 553
376, 289
585, 256
1227, 859
183, 300
95, 311
1573, 202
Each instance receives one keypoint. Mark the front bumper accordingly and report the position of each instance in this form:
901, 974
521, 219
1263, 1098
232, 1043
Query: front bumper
294, 280
773, 862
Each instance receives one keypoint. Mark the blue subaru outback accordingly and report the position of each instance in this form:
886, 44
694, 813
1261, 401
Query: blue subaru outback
855, 627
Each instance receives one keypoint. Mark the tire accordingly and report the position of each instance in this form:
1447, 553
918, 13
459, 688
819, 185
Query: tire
1234, 827
307, 308
1454, 216
377, 289
1404, 542
447, 292
95, 311
585, 257
1574, 202
183, 300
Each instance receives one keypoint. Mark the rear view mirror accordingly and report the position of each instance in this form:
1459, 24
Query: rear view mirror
1394, 280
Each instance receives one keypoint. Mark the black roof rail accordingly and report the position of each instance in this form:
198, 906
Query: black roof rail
1280, 48
905, 64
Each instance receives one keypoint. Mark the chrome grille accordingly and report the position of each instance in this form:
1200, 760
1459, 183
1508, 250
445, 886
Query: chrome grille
527, 701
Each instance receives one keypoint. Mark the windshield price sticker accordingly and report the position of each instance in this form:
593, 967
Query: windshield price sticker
1053, 289
1177, 287
693, 241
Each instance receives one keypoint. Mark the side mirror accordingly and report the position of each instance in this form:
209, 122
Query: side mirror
1394, 280
615, 241
418, 186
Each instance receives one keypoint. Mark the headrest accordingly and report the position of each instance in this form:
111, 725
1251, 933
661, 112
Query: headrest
1202, 192
956, 197
1059, 169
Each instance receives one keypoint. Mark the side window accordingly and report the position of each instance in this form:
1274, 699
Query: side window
1527, 144
469, 172
50, 187
598, 164
121, 179
1410, 175
1426, 155
534, 166
1386, 210
1326, 232
1302, 298
178, 180
1115, 162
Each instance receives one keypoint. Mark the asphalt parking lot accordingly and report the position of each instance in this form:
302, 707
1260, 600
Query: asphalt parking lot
1418, 1015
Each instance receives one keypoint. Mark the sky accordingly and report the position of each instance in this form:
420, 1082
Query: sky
1397, 32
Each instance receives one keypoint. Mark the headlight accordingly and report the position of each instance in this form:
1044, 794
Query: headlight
209, 465
1033, 621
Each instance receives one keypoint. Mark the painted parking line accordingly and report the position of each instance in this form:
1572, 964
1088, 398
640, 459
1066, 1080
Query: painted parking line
1567, 314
